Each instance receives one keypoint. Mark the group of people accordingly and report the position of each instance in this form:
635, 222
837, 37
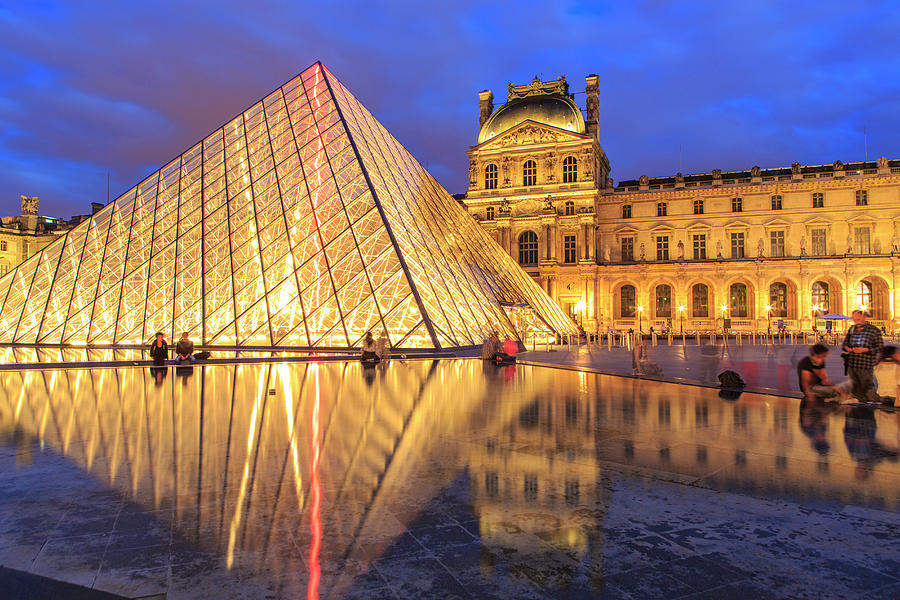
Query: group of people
184, 350
867, 361
500, 352
373, 350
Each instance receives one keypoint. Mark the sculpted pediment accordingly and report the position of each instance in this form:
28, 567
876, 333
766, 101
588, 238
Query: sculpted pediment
529, 132
527, 207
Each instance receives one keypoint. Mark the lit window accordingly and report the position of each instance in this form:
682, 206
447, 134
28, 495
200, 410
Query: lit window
818, 200
776, 243
737, 205
663, 301
626, 211
662, 247
778, 299
698, 206
820, 296
776, 202
700, 300
818, 242
662, 209
864, 295
569, 249
862, 198
861, 241
490, 177
699, 246
628, 298
737, 244
570, 169
528, 248
627, 249
570, 208
529, 173
738, 300
489, 213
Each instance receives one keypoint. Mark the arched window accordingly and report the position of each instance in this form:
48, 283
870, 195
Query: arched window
778, 299
820, 296
528, 248
490, 177
864, 296
738, 300
700, 300
628, 304
529, 173
570, 169
570, 208
489, 213
663, 301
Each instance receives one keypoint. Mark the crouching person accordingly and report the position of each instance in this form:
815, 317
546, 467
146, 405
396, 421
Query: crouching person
813, 379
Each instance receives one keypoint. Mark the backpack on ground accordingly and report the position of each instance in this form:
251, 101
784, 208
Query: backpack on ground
202, 355
730, 379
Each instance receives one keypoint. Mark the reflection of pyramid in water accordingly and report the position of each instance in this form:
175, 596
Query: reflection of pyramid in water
302, 222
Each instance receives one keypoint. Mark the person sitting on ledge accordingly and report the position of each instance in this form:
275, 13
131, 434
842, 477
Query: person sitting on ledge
368, 349
184, 350
159, 349
813, 379
493, 350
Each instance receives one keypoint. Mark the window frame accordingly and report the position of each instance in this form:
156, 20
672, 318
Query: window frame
491, 176
777, 201
570, 245
818, 199
662, 209
737, 204
529, 173
530, 249
570, 169
698, 206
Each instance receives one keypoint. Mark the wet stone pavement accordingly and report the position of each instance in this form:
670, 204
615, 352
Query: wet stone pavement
429, 479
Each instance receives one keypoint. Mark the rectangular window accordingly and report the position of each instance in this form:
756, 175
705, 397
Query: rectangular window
737, 244
818, 242
4, 269
24, 250
662, 209
662, 247
626, 211
818, 199
737, 205
861, 241
569, 249
862, 198
627, 249
776, 202
698, 206
3, 245
776, 243
699, 246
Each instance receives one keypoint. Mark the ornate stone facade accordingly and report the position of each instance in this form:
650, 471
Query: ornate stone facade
762, 247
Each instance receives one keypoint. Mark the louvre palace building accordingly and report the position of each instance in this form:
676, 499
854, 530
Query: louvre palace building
757, 247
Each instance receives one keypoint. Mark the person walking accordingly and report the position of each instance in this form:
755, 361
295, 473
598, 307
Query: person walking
159, 349
862, 345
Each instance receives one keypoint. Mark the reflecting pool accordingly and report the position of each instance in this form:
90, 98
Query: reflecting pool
438, 479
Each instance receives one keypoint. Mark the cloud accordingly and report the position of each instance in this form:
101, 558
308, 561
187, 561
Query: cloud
103, 85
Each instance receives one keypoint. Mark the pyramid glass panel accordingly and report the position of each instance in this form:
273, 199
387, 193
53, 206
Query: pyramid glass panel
302, 222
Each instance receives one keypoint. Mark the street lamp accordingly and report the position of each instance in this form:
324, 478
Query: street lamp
768, 308
640, 310
723, 308
580, 307
681, 312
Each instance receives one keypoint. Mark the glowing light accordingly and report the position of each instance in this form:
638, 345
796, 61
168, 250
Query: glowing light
640, 309
581, 305
724, 307
768, 307
315, 518
681, 308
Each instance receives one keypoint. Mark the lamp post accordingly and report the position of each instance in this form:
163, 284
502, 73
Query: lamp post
723, 308
768, 308
681, 312
640, 310
580, 307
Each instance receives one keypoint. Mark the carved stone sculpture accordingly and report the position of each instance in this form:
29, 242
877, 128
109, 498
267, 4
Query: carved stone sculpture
755, 172
803, 246
838, 166
882, 163
895, 243
505, 168
680, 250
473, 173
644, 180
719, 249
642, 251
606, 253
679, 177
761, 248
717, 173
849, 244
795, 168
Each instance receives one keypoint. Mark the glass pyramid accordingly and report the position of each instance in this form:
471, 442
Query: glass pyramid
300, 223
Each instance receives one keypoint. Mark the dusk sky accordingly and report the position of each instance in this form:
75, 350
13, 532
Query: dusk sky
90, 86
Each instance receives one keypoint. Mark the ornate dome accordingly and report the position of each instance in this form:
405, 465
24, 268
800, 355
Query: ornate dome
558, 111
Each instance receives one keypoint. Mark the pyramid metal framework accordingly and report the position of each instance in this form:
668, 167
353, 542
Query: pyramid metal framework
300, 223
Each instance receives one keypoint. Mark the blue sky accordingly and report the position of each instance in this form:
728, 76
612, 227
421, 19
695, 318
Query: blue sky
92, 87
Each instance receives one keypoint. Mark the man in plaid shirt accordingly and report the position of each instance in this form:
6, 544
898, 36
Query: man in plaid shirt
862, 345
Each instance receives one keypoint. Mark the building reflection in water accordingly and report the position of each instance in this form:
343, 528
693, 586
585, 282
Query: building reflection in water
257, 461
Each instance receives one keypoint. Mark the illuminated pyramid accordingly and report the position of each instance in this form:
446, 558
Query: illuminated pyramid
300, 223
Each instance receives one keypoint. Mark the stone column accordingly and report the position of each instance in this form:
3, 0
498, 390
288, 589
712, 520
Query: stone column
549, 242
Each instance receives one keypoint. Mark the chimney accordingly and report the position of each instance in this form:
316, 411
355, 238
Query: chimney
485, 105
592, 118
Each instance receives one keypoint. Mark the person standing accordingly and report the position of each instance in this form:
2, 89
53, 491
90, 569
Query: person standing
887, 374
159, 349
861, 346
